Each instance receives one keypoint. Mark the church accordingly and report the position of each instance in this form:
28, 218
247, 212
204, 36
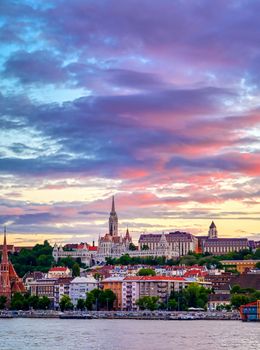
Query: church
10, 283
112, 244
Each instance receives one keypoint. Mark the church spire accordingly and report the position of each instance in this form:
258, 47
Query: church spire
5, 284
113, 220
5, 250
213, 233
113, 205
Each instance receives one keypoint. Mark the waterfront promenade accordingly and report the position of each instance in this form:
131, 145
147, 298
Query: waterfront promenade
138, 315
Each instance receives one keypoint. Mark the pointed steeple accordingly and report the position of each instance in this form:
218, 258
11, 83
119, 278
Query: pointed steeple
213, 233
113, 220
9, 280
212, 225
127, 235
113, 210
5, 250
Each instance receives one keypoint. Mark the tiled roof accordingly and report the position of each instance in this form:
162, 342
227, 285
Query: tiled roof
58, 269
153, 278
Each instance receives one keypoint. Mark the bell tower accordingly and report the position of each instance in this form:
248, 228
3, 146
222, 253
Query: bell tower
5, 284
213, 233
113, 220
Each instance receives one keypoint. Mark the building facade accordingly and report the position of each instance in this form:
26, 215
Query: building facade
84, 252
44, 287
171, 245
115, 284
79, 286
59, 272
9, 281
137, 287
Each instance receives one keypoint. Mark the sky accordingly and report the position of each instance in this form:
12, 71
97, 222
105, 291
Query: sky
157, 103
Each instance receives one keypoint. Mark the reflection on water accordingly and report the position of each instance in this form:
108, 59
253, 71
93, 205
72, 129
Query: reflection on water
53, 334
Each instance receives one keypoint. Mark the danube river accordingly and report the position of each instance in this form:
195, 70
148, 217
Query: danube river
53, 334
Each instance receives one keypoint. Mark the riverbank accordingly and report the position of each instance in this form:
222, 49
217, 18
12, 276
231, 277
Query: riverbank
138, 315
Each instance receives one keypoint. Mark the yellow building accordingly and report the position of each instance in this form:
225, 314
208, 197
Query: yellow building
240, 265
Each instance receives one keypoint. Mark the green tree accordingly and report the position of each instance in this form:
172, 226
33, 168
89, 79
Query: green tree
90, 300
97, 276
3, 301
172, 304
75, 270
81, 304
146, 272
235, 289
145, 247
39, 258
196, 295
148, 303
107, 298
257, 265
65, 303
44, 303
239, 299
33, 301
132, 246
125, 259
188, 260
18, 302
98, 298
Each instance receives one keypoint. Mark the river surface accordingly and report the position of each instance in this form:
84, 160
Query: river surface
54, 334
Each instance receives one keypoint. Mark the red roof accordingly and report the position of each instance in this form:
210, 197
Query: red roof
82, 245
58, 268
195, 272
91, 248
153, 278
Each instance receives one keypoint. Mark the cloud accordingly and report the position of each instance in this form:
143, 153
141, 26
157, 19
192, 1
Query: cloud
35, 67
156, 103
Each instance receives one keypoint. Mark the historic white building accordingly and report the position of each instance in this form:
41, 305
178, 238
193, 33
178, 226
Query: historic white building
171, 245
86, 253
220, 246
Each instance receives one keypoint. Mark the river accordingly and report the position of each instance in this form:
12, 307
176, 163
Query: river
54, 334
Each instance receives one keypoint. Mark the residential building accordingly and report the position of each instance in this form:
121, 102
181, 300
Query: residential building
216, 300
58, 272
219, 281
79, 286
136, 287
44, 287
31, 277
115, 284
246, 280
61, 287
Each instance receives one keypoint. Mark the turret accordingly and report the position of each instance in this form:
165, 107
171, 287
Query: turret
213, 233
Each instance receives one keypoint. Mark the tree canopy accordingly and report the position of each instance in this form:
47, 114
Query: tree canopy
146, 272
100, 299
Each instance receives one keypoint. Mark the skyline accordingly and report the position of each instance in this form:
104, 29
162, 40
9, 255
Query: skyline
157, 104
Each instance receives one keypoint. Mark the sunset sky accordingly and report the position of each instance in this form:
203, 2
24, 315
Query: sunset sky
155, 102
